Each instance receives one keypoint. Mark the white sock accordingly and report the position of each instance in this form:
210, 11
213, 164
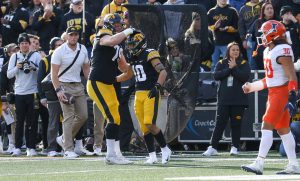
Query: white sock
289, 147
117, 148
152, 155
10, 139
164, 149
265, 143
78, 144
110, 143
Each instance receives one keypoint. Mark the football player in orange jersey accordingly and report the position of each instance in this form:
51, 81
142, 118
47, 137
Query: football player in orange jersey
281, 81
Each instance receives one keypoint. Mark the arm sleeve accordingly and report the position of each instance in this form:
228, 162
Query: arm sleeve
221, 73
12, 69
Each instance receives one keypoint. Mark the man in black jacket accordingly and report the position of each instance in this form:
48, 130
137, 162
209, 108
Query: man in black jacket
46, 22
52, 104
14, 21
74, 18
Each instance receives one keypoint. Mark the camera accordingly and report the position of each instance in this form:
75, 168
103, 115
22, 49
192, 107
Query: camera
26, 67
70, 99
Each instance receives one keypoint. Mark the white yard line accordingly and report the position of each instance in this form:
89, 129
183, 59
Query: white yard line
83, 171
239, 177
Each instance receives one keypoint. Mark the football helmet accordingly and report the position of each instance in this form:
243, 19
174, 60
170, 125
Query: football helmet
136, 42
113, 22
271, 30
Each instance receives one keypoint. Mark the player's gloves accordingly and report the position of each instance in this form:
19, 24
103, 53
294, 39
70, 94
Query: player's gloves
154, 91
292, 104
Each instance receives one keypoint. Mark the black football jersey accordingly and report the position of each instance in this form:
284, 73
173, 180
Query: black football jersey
145, 74
104, 63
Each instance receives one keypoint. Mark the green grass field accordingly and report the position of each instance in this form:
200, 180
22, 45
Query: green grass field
183, 166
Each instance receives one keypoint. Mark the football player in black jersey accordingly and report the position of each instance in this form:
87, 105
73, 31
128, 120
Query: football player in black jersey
107, 58
150, 74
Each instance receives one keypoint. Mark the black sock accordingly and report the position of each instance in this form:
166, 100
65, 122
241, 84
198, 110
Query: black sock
160, 139
149, 139
111, 130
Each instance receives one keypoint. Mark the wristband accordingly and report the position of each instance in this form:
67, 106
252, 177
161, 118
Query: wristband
293, 85
128, 31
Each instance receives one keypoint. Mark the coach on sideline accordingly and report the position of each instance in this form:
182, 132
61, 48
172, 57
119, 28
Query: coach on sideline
68, 86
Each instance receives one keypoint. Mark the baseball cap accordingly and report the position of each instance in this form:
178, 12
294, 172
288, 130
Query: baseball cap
285, 9
23, 37
72, 29
76, 1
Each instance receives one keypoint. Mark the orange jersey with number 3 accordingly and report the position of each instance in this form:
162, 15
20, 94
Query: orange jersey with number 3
276, 80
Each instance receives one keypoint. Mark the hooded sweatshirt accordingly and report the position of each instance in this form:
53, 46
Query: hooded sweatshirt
248, 14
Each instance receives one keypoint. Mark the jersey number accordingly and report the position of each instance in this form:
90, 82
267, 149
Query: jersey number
139, 73
118, 53
269, 68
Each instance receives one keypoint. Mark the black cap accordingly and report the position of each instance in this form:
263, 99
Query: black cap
23, 37
285, 9
53, 41
72, 29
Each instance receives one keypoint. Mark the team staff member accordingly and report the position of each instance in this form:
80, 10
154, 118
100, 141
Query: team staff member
281, 81
75, 114
25, 93
232, 72
150, 74
14, 21
107, 57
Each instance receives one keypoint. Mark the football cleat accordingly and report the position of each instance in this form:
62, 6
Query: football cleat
256, 167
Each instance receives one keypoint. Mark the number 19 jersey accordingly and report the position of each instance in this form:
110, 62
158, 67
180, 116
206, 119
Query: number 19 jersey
275, 75
145, 74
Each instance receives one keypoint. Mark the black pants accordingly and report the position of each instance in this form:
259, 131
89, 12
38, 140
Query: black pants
25, 113
43, 112
224, 113
126, 126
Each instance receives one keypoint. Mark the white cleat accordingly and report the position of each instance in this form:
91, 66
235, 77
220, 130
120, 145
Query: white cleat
166, 156
82, 151
210, 152
16, 152
234, 151
290, 169
256, 167
52, 154
10, 149
31, 152
114, 160
151, 161
98, 152
70, 155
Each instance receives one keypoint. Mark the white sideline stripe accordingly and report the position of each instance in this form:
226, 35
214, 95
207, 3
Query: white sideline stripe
239, 177
80, 171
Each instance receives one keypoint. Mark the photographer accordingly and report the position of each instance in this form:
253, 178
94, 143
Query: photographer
23, 66
69, 89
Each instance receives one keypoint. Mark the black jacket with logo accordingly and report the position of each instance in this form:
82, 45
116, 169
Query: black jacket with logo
72, 19
232, 95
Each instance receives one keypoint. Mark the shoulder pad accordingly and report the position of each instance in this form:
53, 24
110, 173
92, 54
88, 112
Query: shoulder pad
152, 54
104, 31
